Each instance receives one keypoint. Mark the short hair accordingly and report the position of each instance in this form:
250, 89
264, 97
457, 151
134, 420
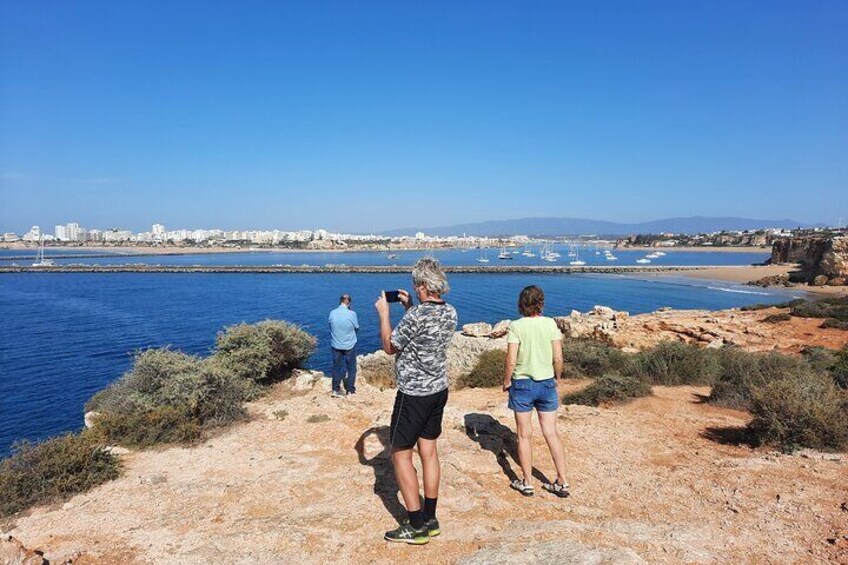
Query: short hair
345, 299
428, 273
531, 301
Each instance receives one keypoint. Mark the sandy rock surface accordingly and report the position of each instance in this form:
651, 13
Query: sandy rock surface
307, 480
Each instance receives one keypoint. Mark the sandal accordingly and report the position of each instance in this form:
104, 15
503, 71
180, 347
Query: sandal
522, 487
560, 490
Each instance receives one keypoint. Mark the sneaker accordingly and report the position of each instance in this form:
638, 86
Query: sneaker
405, 533
433, 528
337, 394
561, 490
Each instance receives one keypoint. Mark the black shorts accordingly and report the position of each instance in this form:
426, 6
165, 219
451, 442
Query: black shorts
417, 417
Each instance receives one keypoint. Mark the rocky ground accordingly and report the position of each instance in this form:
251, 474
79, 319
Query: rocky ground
307, 479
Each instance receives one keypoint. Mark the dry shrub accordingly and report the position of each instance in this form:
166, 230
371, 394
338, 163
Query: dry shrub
263, 352
487, 373
676, 363
54, 469
792, 412
740, 373
777, 318
839, 369
585, 358
609, 389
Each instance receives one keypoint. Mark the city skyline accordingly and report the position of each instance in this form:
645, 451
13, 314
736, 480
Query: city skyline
360, 119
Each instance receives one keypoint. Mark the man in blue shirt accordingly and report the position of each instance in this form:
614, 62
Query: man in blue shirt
343, 327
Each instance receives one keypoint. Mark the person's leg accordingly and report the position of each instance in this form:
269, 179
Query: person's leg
350, 360
338, 360
524, 430
407, 478
547, 421
432, 472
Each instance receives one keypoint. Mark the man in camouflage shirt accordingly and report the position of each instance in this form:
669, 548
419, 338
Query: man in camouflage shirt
420, 344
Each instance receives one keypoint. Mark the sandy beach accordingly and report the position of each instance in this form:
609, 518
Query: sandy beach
748, 273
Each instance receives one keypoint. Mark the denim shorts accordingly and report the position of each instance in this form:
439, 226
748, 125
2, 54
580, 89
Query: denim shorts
526, 394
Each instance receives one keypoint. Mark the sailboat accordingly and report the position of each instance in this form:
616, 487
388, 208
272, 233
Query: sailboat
528, 252
643, 261
547, 254
504, 254
483, 258
577, 262
40, 261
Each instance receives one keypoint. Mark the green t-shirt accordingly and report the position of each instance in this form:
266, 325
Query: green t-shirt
535, 354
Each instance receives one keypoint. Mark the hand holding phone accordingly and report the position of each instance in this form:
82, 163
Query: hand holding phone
392, 295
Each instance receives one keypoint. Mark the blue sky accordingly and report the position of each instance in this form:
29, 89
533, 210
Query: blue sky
375, 115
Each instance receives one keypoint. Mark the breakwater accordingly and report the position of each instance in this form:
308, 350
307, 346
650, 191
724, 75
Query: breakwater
345, 269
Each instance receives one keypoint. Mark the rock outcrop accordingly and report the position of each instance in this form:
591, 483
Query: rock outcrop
824, 261
600, 324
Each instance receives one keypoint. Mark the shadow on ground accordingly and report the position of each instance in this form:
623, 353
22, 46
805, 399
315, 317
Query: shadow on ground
385, 485
500, 440
728, 435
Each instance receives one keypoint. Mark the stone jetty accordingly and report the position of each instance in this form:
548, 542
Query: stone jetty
342, 269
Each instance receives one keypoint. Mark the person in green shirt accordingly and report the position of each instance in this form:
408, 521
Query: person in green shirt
533, 364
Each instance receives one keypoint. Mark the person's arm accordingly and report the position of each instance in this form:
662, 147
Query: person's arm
385, 324
355, 321
556, 345
405, 298
509, 366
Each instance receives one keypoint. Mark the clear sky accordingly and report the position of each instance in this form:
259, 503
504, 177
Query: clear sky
375, 115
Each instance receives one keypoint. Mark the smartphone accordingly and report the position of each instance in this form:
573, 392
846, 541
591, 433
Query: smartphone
392, 295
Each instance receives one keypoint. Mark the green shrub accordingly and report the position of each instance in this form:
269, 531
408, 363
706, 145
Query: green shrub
168, 397
794, 412
676, 363
820, 359
585, 358
789, 304
775, 318
832, 307
36, 473
740, 373
609, 389
263, 352
835, 324
488, 372
839, 369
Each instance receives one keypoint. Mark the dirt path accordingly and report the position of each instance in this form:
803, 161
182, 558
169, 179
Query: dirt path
307, 480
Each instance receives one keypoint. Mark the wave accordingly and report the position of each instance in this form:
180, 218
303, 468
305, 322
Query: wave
739, 291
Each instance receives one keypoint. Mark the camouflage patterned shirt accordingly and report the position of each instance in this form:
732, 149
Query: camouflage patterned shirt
422, 338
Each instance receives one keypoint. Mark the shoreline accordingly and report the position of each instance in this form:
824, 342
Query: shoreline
690, 249
746, 273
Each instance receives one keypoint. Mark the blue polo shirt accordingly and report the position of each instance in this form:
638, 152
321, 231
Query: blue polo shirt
343, 326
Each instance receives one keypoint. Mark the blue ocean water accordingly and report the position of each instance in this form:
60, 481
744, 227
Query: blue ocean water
65, 336
590, 255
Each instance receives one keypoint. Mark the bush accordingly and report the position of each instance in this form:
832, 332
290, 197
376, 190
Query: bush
835, 324
820, 359
790, 304
740, 373
609, 389
839, 369
586, 358
676, 363
775, 318
797, 412
263, 352
169, 396
833, 307
36, 473
488, 372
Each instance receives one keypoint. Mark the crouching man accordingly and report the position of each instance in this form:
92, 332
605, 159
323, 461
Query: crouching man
420, 343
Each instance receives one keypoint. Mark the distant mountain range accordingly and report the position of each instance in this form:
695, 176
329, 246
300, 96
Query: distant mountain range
579, 226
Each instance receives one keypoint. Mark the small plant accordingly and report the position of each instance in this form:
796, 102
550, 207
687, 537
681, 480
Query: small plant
833, 307
37, 473
263, 352
585, 358
280, 414
835, 324
609, 389
796, 412
820, 359
488, 372
317, 419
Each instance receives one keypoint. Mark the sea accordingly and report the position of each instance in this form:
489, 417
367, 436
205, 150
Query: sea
64, 336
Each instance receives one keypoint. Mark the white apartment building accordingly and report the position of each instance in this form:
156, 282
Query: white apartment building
34, 234
60, 233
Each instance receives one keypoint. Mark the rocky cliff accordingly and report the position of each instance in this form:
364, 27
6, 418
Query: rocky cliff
823, 260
